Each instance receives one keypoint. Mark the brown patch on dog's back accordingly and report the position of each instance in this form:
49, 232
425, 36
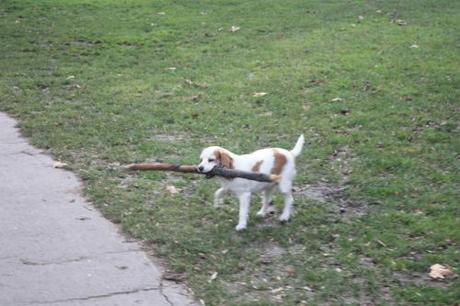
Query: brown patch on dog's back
225, 159
256, 167
279, 161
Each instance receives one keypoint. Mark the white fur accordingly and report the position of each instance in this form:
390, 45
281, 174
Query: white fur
243, 188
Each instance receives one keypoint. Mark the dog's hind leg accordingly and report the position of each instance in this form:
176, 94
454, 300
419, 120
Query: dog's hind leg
286, 190
266, 199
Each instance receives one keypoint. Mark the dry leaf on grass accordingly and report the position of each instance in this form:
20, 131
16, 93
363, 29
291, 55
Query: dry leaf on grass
172, 189
337, 99
199, 85
280, 289
307, 288
213, 277
259, 94
59, 165
291, 271
438, 271
173, 276
189, 82
234, 29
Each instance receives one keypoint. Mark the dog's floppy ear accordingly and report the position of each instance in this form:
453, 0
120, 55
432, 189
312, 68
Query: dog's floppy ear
224, 159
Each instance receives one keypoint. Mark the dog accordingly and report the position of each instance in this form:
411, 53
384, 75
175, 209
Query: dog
269, 161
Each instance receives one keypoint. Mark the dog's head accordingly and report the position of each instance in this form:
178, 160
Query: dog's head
214, 157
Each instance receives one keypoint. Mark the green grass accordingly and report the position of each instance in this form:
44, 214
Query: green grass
89, 80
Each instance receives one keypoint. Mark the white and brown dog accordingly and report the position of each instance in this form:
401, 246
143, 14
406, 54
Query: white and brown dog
269, 161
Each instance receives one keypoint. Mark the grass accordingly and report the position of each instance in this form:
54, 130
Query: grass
376, 96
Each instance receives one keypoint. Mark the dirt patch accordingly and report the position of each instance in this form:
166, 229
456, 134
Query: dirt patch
411, 278
267, 279
336, 197
320, 192
340, 162
270, 253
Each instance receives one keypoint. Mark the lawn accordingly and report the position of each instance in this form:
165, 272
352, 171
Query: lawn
373, 85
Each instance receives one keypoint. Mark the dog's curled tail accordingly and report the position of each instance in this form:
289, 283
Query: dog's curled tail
298, 146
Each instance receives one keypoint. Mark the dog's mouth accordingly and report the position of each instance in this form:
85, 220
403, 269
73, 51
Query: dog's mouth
208, 173
201, 169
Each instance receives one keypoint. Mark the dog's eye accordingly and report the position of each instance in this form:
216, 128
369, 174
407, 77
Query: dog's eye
210, 160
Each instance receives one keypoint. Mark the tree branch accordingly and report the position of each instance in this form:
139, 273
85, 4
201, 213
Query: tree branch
223, 172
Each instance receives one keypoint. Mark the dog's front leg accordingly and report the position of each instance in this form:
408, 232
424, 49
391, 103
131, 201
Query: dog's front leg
244, 199
218, 197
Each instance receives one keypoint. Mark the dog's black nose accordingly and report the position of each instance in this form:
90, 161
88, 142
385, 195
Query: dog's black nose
200, 168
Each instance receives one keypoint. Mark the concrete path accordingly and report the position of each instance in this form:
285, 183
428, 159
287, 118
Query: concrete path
56, 249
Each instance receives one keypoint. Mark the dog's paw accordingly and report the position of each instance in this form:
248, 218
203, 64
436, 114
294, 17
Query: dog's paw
240, 227
284, 218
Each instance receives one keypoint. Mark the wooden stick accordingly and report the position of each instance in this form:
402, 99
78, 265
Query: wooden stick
162, 167
223, 172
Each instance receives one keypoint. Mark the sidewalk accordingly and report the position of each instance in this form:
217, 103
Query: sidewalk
56, 249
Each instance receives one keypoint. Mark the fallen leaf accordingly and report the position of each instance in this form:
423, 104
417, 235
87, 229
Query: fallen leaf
171, 68
161, 13
199, 85
70, 77
234, 29
414, 46
195, 98
74, 86
360, 18
172, 189
175, 277
189, 82
401, 22
291, 271
213, 277
266, 260
381, 243
337, 99
277, 290
438, 271
259, 94
59, 165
